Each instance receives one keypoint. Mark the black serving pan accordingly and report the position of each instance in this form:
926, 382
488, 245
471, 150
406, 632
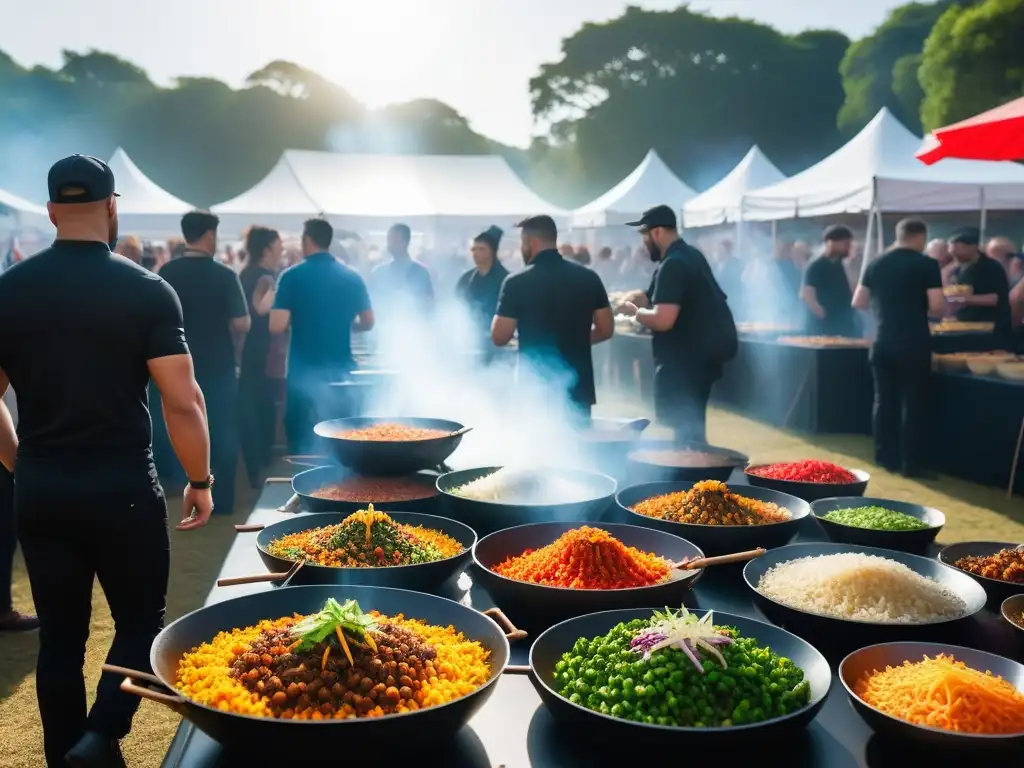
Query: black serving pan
916, 542
422, 577
718, 539
811, 491
878, 657
547, 651
1013, 611
537, 606
645, 470
278, 739
850, 632
307, 483
996, 589
486, 517
390, 457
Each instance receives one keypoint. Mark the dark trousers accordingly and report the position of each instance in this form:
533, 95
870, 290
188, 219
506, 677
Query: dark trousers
8, 539
900, 409
68, 539
257, 419
681, 401
310, 400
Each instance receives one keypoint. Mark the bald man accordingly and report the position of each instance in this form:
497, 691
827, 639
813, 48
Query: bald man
938, 249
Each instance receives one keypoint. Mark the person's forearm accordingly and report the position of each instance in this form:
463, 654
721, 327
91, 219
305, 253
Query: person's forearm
597, 336
816, 309
984, 300
638, 298
189, 432
648, 318
8, 438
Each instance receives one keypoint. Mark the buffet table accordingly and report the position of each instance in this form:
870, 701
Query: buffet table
975, 424
514, 730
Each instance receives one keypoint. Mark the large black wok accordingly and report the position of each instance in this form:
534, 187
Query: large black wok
422, 577
390, 457
306, 484
325, 740
548, 648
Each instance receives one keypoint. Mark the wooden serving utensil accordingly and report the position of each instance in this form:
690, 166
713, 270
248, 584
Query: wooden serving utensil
705, 562
460, 432
258, 578
636, 425
249, 527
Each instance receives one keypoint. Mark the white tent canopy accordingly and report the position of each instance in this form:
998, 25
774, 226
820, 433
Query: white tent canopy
721, 203
365, 191
877, 170
26, 215
651, 183
144, 208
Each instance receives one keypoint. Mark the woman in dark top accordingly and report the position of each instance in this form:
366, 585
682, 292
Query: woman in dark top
480, 286
255, 389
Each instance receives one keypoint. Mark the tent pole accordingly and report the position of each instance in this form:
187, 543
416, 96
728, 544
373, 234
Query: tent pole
983, 223
775, 235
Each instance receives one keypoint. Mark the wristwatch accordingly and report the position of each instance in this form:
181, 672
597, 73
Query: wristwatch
202, 485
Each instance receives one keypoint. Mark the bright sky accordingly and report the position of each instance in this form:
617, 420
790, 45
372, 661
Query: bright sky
476, 55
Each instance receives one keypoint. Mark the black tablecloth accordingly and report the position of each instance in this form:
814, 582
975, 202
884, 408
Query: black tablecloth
975, 423
816, 390
515, 730
968, 341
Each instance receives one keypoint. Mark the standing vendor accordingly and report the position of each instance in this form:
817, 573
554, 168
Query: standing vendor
479, 288
559, 308
826, 289
402, 286
693, 328
989, 301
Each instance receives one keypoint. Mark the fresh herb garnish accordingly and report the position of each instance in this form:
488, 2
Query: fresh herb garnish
684, 631
335, 618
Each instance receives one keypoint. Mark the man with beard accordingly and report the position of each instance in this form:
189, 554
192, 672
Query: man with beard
693, 328
81, 332
826, 289
989, 301
559, 308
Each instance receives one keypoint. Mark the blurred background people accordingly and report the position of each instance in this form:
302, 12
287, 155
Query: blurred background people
826, 291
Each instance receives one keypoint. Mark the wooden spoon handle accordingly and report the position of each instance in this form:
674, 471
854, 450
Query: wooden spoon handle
249, 527
735, 557
255, 578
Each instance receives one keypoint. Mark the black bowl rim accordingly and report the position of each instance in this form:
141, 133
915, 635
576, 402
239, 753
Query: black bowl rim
736, 459
592, 473
672, 729
321, 426
842, 547
1004, 609
428, 484
793, 518
864, 501
572, 590
982, 579
389, 568
863, 476
276, 721
936, 648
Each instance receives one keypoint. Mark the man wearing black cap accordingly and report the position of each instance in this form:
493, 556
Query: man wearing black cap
989, 301
826, 289
693, 328
560, 309
479, 287
81, 332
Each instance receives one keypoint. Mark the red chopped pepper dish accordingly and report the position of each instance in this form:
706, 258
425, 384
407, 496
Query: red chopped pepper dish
1004, 565
809, 471
377, 490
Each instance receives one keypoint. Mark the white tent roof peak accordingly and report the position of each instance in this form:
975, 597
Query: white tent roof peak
651, 183
721, 203
28, 214
140, 194
878, 168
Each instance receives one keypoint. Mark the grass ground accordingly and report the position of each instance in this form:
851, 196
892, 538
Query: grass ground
972, 512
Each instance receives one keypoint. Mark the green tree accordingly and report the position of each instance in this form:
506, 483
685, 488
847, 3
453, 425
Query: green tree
973, 61
875, 71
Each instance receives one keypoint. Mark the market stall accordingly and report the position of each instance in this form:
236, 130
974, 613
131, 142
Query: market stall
144, 208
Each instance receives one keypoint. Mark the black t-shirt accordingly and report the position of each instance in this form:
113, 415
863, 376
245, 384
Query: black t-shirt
480, 293
257, 340
986, 276
324, 298
77, 327
684, 278
899, 282
828, 279
210, 296
553, 303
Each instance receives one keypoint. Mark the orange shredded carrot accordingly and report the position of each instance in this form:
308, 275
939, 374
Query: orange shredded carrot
944, 693
344, 645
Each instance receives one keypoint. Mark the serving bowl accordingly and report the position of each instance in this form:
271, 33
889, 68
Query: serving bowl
538, 606
996, 589
811, 491
717, 539
1013, 611
985, 364
854, 632
389, 457
486, 517
305, 485
650, 460
903, 541
878, 657
548, 648
1011, 371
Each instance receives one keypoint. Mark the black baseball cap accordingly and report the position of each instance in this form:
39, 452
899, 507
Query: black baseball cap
837, 232
966, 235
80, 179
658, 216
